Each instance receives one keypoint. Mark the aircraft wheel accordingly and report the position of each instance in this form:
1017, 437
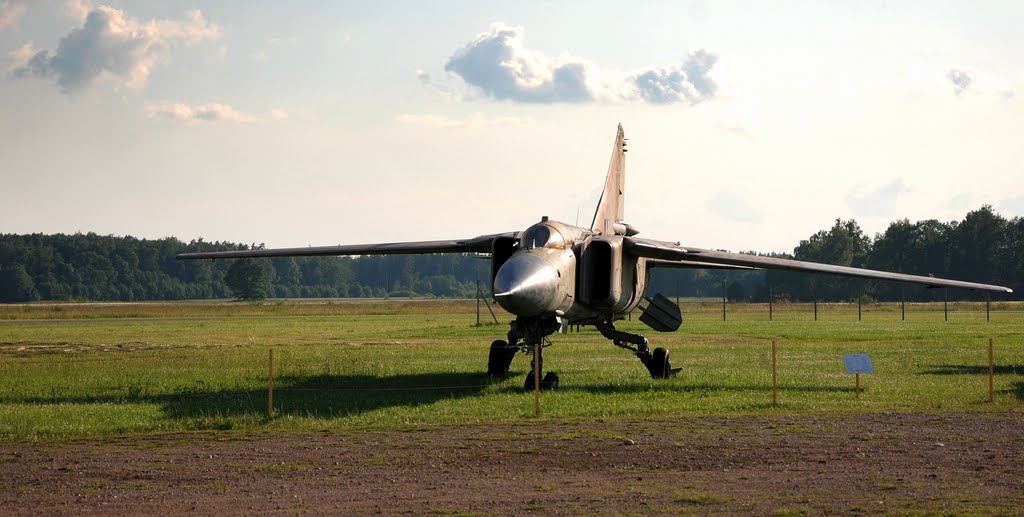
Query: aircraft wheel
549, 382
660, 367
499, 359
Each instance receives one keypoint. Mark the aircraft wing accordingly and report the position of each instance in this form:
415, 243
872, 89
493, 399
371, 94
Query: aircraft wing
668, 251
676, 264
481, 244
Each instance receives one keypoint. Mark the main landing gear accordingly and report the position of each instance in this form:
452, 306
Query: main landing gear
529, 334
657, 362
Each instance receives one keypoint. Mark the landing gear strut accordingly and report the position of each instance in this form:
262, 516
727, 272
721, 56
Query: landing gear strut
532, 333
548, 381
657, 363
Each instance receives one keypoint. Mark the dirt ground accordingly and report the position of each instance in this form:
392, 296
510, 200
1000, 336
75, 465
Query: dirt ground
783, 465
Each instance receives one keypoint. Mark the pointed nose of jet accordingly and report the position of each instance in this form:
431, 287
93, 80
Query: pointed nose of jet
526, 285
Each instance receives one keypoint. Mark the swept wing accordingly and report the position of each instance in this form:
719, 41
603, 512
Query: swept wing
667, 251
481, 244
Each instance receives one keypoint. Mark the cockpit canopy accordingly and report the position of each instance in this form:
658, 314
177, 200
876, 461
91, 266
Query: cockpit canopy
542, 235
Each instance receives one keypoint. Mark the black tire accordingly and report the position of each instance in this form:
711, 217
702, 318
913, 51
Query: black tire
510, 353
549, 382
528, 384
498, 359
661, 367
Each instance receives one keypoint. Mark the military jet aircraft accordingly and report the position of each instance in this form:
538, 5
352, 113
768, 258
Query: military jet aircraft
554, 274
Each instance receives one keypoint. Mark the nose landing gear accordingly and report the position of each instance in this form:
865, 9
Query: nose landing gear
531, 332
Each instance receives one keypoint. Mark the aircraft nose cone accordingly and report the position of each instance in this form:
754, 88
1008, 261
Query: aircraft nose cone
525, 285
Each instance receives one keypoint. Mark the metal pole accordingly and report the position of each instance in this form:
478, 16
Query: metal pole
489, 309
903, 305
270, 386
775, 393
478, 303
990, 368
723, 300
988, 305
945, 304
815, 310
536, 378
858, 308
771, 297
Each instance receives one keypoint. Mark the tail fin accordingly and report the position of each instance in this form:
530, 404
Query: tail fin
609, 207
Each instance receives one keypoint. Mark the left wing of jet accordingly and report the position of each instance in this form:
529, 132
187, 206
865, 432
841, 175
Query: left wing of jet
481, 244
667, 251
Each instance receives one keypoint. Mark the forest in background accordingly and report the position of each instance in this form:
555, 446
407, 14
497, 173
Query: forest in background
983, 247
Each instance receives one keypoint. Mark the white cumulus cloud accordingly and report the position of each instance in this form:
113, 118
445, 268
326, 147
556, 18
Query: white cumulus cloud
498, 64
961, 80
687, 82
112, 46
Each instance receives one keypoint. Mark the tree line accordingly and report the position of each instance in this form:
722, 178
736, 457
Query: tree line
983, 247
91, 267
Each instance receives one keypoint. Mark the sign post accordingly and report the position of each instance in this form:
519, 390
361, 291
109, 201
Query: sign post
536, 379
857, 364
775, 384
990, 368
270, 385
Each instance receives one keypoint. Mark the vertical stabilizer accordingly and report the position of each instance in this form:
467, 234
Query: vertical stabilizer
609, 207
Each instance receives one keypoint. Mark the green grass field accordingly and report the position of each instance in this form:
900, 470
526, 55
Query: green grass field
70, 371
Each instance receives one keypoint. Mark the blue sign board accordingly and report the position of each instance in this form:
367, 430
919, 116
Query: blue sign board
858, 363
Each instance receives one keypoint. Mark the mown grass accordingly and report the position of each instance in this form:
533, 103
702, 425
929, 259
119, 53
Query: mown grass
341, 365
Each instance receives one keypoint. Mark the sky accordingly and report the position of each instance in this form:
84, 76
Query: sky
751, 125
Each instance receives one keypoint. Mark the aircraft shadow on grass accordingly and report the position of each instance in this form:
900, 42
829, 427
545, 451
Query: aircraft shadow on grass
322, 396
683, 387
1017, 387
327, 396
968, 369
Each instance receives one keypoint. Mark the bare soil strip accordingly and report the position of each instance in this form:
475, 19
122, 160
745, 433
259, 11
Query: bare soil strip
831, 464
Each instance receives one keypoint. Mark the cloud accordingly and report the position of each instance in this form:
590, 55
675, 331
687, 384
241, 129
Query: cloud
17, 59
879, 202
111, 46
211, 112
476, 120
961, 80
10, 12
498, 64
979, 83
441, 92
77, 9
733, 208
689, 82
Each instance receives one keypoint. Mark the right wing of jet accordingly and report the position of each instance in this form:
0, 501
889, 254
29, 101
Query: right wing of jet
481, 244
677, 264
667, 251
